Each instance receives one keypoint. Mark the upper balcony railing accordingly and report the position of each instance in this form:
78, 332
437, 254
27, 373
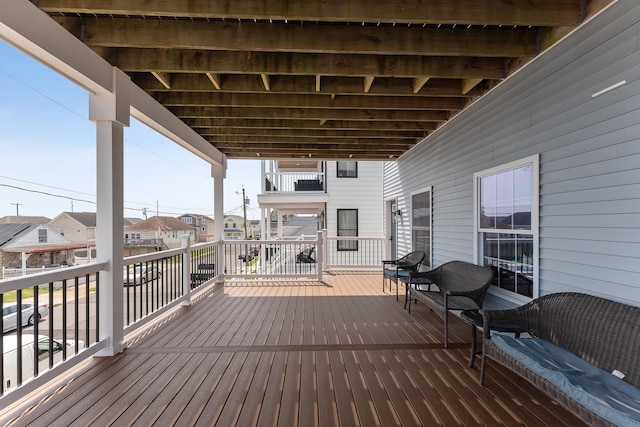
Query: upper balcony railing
290, 182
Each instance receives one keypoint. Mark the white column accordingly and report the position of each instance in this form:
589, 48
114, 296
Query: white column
110, 111
219, 174
279, 225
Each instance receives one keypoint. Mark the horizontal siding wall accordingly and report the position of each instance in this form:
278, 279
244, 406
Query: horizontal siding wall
589, 160
363, 193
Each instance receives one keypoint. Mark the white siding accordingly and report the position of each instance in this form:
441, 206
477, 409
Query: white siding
589, 160
363, 193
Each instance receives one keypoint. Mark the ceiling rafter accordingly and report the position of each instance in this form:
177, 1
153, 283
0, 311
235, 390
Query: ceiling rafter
333, 79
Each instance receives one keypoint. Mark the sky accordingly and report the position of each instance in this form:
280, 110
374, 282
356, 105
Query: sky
48, 155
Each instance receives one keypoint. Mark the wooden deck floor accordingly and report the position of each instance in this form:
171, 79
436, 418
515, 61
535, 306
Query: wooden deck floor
294, 354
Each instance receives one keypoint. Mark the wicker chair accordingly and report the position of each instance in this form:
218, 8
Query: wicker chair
460, 286
602, 332
392, 270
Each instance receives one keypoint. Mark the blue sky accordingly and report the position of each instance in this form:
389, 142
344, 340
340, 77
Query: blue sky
47, 154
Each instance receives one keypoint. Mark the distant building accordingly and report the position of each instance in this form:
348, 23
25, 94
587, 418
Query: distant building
204, 226
79, 227
32, 245
12, 219
156, 233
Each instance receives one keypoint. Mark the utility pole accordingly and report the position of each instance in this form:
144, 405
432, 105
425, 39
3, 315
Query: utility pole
244, 209
17, 205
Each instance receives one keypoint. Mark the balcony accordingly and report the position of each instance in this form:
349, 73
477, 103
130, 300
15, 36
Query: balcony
338, 352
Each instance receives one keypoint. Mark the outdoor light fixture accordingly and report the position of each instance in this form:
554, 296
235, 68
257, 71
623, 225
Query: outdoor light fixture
609, 89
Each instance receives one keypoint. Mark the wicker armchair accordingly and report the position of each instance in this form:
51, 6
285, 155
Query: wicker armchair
392, 270
460, 286
604, 333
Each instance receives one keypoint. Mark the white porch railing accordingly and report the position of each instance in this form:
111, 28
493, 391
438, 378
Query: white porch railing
151, 285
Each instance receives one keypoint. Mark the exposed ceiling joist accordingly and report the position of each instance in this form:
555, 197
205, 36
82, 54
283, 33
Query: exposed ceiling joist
336, 79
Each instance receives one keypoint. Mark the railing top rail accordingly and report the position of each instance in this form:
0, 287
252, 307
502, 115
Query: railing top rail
268, 242
11, 284
152, 256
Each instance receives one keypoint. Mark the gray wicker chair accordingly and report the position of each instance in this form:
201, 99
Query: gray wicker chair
604, 333
460, 286
392, 270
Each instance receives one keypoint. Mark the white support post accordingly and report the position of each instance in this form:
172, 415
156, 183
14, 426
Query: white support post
279, 225
320, 255
186, 270
219, 174
110, 111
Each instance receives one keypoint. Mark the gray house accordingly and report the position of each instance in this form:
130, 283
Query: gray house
540, 178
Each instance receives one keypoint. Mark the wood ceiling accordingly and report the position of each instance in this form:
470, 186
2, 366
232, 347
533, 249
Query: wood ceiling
318, 79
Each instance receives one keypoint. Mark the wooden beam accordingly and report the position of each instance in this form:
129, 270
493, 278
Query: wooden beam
418, 83
279, 63
469, 84
305, 134
265, 82
221, 140
310, 113
280, 100
310, 38
215, 80
237, 83
481, 12
288, 124
368, 81
163, 78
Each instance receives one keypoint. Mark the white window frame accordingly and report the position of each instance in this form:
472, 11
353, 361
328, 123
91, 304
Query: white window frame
534, 162
429, 256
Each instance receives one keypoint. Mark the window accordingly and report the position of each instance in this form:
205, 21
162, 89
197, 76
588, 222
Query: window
61, 231
347, 226
42, 235
506, 209
421, 224
347, 169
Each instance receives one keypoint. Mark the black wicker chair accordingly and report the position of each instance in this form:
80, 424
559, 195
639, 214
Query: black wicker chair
459, 285
392, 270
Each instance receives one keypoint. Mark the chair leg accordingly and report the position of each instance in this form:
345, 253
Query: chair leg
483, 362
446, 328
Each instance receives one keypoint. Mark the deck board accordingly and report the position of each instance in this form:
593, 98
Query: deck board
293, 353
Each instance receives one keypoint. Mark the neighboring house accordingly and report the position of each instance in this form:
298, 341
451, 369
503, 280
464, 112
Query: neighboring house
344, 197
300, 225
160, 231
79, 227
25, 245
204, 226
540, 178
234, 228
12, 219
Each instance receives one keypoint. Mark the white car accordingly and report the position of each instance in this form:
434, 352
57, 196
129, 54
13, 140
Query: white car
10, 315
140, 274
10, 356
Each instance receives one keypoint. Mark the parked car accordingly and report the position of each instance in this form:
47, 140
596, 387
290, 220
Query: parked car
10, 356
140, 274
203, 273
253, 251
10, 315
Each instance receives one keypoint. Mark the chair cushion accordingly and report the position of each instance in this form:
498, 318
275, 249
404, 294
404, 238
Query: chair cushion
599, 391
